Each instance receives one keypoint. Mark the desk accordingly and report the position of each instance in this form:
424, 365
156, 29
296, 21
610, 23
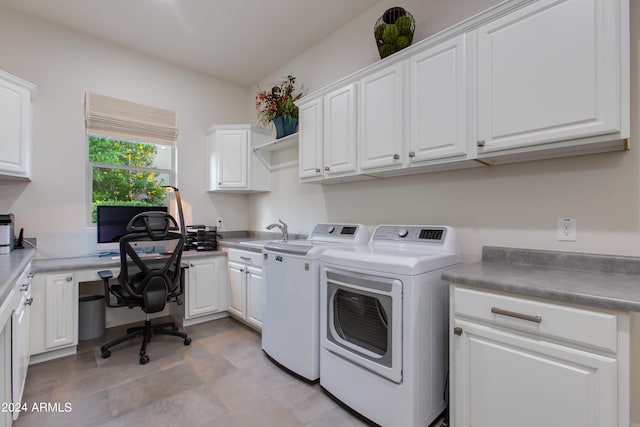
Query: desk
58, 283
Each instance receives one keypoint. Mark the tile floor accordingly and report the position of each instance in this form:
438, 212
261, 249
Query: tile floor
222, 379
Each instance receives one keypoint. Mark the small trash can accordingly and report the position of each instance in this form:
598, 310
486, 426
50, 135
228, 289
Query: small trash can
91, 317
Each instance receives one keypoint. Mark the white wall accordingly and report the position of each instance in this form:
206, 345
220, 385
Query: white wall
53, 207
512, 205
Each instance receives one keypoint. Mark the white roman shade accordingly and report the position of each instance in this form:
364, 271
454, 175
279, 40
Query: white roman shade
123, 119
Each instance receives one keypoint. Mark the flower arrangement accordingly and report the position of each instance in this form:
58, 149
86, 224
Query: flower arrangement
279, 101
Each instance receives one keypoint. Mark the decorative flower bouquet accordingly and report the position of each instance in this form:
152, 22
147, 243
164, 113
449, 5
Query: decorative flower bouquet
279, 101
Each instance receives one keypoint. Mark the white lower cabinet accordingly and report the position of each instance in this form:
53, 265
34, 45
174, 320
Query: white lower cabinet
206, 287
20, 323
515, 361
246, 286
5, 374
54, 314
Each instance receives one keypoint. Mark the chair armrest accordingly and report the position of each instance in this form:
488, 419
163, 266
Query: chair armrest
105, 274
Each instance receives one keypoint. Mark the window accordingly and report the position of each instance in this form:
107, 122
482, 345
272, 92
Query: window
128, 173
131, 151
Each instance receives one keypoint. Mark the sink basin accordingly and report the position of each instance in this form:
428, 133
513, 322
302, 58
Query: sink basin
256, 243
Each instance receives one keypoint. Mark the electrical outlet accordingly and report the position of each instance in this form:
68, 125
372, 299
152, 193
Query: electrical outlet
567, 229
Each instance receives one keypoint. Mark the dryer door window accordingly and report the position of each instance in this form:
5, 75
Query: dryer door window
364, 321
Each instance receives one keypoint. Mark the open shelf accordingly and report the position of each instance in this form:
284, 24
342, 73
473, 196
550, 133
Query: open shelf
278, 144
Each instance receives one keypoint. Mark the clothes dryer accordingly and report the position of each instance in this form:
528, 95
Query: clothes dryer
384, 317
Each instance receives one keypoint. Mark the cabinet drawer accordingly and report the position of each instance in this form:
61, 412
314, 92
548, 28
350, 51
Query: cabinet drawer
245, 257
586, 327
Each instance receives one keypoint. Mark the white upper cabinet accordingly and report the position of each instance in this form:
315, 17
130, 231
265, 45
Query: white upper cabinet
523, 80
438, 108
311, 140
552, 71
340, 154
327, 136
381, 119
233, 164
15, 126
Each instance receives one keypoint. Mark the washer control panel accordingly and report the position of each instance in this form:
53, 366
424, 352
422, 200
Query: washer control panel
411, 233
357, 233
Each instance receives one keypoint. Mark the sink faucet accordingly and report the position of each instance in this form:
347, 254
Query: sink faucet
283, 227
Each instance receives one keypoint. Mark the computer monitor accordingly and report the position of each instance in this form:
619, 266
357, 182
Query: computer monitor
112, 223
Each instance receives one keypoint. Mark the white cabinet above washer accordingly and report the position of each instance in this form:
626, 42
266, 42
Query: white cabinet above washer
523, 80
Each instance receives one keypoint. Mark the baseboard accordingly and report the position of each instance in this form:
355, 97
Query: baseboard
55, 354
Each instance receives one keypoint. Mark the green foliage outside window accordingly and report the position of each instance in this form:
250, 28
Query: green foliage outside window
136, 184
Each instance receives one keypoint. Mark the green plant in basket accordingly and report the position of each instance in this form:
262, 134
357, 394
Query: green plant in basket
279, 101
386, 50
404, 25
402, 42
390, 33
378, 33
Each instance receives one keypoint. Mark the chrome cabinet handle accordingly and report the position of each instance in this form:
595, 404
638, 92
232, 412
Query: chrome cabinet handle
412, 154
318, 170
326, 168
29, 301
246, 258
69, 278
457, 330
481, 143
396, 157
528, 317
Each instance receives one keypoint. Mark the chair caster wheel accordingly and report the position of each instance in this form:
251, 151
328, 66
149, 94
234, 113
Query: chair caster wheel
144, 359
106, 354
187, 341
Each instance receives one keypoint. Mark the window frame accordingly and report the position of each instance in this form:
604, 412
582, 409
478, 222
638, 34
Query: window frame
90, 165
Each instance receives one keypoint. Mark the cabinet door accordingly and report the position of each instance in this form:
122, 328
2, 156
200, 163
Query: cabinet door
542, 80
381, 102
5, 372
232, 150
340, 156
237, 289
500, 379
61, 310
310, 140
438, 99
202, 288
255, 296
15, 129
20, 346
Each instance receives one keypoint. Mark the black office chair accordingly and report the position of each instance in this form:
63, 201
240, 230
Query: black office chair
147, 282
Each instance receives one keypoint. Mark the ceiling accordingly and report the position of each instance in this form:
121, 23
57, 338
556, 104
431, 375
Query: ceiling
240, 41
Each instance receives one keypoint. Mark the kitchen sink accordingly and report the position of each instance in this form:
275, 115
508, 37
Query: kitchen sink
257, 243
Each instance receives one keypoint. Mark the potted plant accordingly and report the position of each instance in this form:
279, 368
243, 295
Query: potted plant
278, 106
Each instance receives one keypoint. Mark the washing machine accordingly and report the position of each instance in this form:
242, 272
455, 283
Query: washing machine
384, 317
291, 320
